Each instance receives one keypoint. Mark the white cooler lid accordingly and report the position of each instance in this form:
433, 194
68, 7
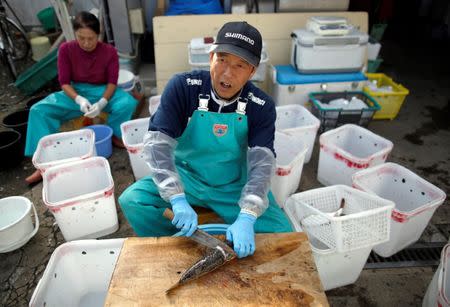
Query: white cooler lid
308, 39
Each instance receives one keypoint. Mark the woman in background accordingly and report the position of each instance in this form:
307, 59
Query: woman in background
87, 72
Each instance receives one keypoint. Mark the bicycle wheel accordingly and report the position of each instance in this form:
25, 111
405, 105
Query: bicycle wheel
17, 40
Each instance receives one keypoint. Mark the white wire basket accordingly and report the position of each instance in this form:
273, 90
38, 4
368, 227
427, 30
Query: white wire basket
341, 217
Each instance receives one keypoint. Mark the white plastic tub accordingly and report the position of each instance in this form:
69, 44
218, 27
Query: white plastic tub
348, 149
133, 132
78, 274
415, 200
299, 122
16, 224
291, 153
364, 220
80, 195
337, 269
64, 147
438, 291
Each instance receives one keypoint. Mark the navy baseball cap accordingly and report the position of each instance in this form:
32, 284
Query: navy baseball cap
241, 39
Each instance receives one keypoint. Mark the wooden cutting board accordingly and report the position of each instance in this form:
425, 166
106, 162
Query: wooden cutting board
280, 273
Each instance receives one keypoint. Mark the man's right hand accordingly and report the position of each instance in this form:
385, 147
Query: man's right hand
84, 104
185, 217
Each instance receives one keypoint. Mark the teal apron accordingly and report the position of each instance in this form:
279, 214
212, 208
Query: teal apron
47, 115
211, 158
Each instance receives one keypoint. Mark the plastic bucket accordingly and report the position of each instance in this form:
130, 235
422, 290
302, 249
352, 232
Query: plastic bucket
103, 143
47, 17
39, 46
126, 81
16, 225
18, 121
11, 149
32, 101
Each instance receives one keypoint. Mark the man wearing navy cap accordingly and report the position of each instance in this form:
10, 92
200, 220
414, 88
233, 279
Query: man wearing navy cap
210, 144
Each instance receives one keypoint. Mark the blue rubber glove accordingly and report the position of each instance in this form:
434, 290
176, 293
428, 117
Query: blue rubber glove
242, 234
185, 217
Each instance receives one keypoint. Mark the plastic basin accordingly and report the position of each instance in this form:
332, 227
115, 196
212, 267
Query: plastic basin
103, 143
10, 149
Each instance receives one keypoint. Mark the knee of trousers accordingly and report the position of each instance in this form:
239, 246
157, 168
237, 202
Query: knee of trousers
126, 199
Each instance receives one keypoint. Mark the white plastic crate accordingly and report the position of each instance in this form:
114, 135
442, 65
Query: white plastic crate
80, 195
78, 274
348, 149
153, 104
299, 122
438, 291
291, 153
64, 147
133, 132
364, 219
415, 202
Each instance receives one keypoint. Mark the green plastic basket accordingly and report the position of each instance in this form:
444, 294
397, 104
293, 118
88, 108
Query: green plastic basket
377, 30
47, 17
35, 77
331, 118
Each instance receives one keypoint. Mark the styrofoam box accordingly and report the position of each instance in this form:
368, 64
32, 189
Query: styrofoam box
198, 50
438, 291
415, 202
199, 59
299, 122
291, 153
290, 87
78, 274
80, 195
64, 147
348, 149
133, 132
364, 219
312, 53
153, 104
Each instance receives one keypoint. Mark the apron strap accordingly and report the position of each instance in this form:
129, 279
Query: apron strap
203, 102
241, 105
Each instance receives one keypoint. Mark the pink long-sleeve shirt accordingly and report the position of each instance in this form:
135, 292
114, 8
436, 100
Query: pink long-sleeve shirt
100, 66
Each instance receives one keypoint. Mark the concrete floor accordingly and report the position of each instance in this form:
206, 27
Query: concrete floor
421, 140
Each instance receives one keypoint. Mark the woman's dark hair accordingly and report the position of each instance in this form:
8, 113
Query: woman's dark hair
86, 20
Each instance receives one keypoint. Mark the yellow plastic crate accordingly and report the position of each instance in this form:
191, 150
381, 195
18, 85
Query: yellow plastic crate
390, 103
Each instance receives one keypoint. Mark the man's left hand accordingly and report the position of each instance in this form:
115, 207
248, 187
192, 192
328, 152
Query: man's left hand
242, 234
96, 108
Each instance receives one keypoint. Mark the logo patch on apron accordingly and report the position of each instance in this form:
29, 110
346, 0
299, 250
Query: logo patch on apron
220, 129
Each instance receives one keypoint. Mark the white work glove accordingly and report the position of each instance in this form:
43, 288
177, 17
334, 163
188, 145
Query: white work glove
97, 108
84, 104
